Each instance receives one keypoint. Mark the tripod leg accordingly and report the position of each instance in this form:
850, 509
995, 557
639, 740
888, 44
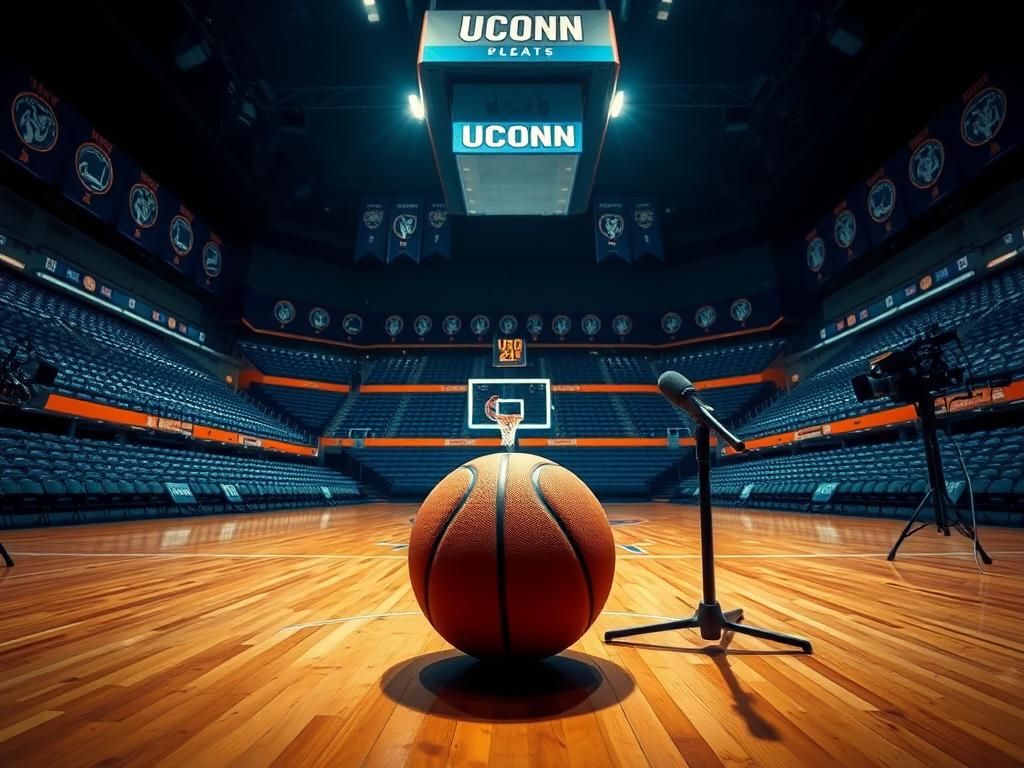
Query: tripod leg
968, 531
767, 634
910, 523
736, 614
690, 623
7, 558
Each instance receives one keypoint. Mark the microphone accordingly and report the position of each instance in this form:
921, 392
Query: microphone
681, 392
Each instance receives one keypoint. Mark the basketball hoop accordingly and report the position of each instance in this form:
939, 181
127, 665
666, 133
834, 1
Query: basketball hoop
507, 423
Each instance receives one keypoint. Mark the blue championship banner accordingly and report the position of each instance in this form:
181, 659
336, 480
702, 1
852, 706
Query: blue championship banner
930, 159
404, 231
209, 263
989, 120
645, 226
178, 246
438, 241
886, 212
817, 254
848, 230
37, 135
140, 209
610, 232
371, 231
94, 170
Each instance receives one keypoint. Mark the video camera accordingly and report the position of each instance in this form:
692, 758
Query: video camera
911, 374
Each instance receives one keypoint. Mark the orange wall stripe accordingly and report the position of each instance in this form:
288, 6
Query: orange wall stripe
370, 389
494, 442
72, 406
652, 389
252, 376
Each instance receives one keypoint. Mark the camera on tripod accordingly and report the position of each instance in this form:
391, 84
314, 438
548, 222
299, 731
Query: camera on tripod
910, 374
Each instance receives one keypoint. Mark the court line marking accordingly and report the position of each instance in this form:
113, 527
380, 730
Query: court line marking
200, 555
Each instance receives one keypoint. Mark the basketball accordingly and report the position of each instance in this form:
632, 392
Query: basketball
511, 557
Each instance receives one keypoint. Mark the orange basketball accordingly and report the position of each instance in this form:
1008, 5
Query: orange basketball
511, 557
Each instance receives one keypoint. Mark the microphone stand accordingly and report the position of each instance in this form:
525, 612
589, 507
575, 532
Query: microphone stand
710, 619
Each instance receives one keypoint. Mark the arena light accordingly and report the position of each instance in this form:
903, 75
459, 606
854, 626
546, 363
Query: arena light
416, 106
11, 261
373, 17
1000, 259
618, 101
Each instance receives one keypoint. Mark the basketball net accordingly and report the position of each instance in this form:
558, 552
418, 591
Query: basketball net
508, 423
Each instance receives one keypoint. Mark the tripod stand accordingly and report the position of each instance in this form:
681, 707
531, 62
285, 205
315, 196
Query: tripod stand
946, 514
710, 619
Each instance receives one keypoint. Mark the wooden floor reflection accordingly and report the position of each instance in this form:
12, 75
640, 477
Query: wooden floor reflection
294, 639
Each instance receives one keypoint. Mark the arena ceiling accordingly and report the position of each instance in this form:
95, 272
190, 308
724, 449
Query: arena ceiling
329, 120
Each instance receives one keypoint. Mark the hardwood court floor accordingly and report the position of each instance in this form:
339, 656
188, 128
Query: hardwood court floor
294, 639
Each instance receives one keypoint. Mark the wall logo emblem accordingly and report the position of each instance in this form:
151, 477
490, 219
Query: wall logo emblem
181, 235
404, 226
393, 325
451, 325
422, 325
741, 310
535, 325
611, 226
882, 200
926, 164
479, 325
705, 316
622, 325
437, 217
816, 254
143, 205
983, 117
561, 324
508, 324
319, 318
284, 312
925, 282
671, 322
89, 283
373, 216
94, 167
34, 121
212, 259
591, 324
644, 217
845, 229
352, 324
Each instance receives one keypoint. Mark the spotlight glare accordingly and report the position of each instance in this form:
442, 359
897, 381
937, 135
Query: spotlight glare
662, 15
373, 17
369, 2
416, 106
618, 100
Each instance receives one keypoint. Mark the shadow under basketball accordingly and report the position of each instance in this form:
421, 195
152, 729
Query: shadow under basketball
453, 685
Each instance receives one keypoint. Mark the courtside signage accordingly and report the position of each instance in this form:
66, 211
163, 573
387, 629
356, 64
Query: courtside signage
507, 36
517, 138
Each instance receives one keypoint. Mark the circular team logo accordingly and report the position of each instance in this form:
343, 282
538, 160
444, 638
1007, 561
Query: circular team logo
393, 325
352, 324
89, 283
705, 316
926, 164
983, 117
611, 226
452, 324
181, 235
479, 325
925, 282
590, 324
94, 167
319, 318
882, 200
644, 217
422, 325
561, 324
437, 217
671, 322
373, 217
741, 310
845, 229
142, 202
508, 324
284, 312
212, 259
34, 121
622, 325
404, 226
535, 325
816, 254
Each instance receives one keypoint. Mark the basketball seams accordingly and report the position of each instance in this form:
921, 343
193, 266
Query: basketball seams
436, 544
500, 535
535, 482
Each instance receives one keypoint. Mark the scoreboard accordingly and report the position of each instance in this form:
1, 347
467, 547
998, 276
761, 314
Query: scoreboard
509, 352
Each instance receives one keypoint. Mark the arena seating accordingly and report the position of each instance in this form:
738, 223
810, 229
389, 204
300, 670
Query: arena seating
721, 361
610, 473
300, 364
395, 369
109, 361
311, 408
376, 413
44, 474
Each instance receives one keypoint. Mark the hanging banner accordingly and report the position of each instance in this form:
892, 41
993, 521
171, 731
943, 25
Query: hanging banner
815, 253
371, 231
94, 170
405, 231
209, 263
438, 232
37, 134
646, 231
848, 230
140, 216
610, 232
178, 246
881, 194
932, 171
989, 120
